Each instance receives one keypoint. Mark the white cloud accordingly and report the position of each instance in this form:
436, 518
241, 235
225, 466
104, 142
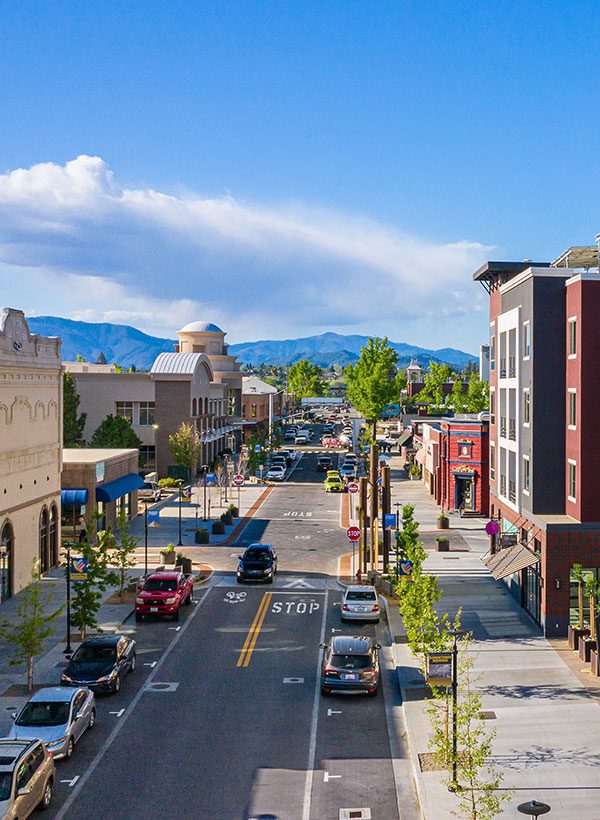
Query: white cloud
74, 242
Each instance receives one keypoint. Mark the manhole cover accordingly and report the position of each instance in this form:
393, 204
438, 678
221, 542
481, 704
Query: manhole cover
161, 687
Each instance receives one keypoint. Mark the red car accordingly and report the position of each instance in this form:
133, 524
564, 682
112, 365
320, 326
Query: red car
164, 593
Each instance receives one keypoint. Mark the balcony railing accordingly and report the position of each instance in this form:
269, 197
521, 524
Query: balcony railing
502, 368
512, 367
512, 429
512, 490
503, 426
503, 485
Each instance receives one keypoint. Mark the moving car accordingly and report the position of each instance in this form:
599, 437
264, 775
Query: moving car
360, 603
334, 484
350, 664
302, 437
101, 663
258, 563
348, 470
285, 455
56, 715
26, 778
276, 473
324, 463
164, 593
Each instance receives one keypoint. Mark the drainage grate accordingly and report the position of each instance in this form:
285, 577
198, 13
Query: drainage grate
450, 558
355, 814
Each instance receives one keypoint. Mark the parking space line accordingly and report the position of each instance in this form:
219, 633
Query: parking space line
253, 632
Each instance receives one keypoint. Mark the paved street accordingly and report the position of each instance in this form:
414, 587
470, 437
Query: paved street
242, 730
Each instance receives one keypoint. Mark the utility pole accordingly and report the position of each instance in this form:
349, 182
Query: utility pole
386, 503
374, 475
363, 522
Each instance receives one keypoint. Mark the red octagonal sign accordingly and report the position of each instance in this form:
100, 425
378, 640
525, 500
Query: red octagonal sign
352, 487
353, 534
238, 480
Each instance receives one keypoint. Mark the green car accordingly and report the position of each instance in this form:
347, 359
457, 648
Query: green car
333, 484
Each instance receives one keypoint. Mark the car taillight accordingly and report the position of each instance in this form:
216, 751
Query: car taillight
375, 608
330, 673
368, 674
346, 608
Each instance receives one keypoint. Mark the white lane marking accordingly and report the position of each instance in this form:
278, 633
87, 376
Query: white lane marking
312, 747
299, 583
302, 537
327, 777
297, 607
118, 714
293, 680
174, 628
109, 740
72, 781
153, 664
331, 712
296, 514
335, 630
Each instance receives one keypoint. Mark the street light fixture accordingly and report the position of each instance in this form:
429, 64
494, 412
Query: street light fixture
534, 809
454, 633
179, 543
397, 505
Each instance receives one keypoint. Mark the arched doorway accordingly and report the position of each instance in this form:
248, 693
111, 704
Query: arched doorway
53, 536
6, 553
44, 558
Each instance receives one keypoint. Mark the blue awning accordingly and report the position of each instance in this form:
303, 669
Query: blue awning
73, 498
119, 487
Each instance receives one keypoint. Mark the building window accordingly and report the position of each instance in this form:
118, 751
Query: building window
573, 337
492, 464
526, 340
572, 408
526, 406
526, 474
147, 457
253, 411
464, 449
492, 347
231, 402
492, 406
572, 480
43, 524
147, 413
124, 409
6, 558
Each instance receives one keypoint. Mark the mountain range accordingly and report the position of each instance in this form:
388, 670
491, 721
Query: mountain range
128, 346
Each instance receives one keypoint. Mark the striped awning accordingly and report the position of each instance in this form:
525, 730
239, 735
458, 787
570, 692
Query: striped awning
511, 560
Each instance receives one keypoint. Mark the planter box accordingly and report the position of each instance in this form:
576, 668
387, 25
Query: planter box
186, 565
443, 545
443, 523
201, 537
575, 634
585, 649
594, 663
168, 557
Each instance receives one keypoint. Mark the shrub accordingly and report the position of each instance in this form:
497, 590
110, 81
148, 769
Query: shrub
226, 518
414, 470
168, 483
169, 549
202, 536
218, 528
233, 510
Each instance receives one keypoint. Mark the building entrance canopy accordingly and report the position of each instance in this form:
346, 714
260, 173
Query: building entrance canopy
511, 560
119, 487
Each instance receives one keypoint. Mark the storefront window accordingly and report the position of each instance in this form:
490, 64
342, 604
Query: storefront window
43, 545
6, 554
574, 596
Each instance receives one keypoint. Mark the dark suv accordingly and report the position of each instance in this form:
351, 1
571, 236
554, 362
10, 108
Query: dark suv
324, 463
350, 664
258, 563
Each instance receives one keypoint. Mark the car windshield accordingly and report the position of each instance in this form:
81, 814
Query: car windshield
257, 555
160, 585
95, 654
359, 595
41, 713
351, 661
5, 784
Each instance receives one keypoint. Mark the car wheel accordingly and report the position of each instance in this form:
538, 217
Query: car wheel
325, 692
239, 580
47, 796
70, 747
176, 614
188, 600
270, 581
92, 719
139, 617
117, 685
133, 663
372, 693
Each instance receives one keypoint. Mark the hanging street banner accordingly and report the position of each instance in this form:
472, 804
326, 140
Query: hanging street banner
405, 568
210, 479
439, 669
186, 494
79, 568
389, 522
154, 518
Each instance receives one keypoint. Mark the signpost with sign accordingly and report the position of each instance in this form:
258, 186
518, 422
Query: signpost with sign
352, 487
389, 521
186, 495
154, 518
79, 568
238, 481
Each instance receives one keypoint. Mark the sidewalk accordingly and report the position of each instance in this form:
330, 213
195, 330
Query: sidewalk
547, 744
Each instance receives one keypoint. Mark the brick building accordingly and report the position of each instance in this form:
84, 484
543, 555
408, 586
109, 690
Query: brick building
544, 402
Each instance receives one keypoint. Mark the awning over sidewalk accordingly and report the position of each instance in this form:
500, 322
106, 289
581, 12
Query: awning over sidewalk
119, 487
73, 498
421, 455
511, 560
403, 438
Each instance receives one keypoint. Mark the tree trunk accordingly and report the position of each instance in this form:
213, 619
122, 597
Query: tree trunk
374, 508
29, 673
580, 604
122, 590
592, 618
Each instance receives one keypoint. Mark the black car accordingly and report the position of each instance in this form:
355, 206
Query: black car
101, 663
350, 664
324, 463
258, 563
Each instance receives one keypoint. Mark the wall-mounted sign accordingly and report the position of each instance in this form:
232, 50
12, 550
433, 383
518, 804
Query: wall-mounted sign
99, 472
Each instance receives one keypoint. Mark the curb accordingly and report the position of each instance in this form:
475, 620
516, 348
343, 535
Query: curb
241, 525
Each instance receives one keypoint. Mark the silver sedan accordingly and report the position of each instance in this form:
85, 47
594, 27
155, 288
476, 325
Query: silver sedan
360, 603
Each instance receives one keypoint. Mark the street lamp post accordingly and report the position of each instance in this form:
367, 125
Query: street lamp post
534, 809
453, 787
179, 543
397, 505
145, 500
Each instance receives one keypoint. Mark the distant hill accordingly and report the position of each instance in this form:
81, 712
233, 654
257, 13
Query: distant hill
120, 343
127, 346
335, 348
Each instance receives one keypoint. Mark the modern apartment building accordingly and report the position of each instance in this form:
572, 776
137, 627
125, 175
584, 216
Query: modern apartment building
544, 398
30, 451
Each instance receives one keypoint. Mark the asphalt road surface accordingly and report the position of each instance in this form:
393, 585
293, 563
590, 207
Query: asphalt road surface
224, 718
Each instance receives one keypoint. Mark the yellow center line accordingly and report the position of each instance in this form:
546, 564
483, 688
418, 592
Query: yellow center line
252, 636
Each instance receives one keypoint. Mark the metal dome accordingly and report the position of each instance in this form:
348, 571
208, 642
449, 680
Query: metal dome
200, 327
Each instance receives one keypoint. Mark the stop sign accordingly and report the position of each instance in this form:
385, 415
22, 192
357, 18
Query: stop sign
238, 480
353, 534
353, 487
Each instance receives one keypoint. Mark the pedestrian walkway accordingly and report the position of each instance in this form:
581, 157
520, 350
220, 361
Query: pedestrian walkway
547, 744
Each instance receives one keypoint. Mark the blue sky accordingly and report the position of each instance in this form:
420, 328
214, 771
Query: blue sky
291, 167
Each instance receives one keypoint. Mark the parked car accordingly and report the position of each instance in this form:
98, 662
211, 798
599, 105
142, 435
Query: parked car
289, 435
324, 463
334, 484
302, 438
258, 563
58, 716
276, 473
285, 455
360, 603
150, 490
164, 593
350, 664
348, 470
26, 778
101, 663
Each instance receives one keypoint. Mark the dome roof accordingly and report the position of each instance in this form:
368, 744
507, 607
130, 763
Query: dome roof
200, 327
181, 363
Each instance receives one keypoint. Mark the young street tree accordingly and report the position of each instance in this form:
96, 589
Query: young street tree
73, 422
185, 447
115, 432
306, 379
87, 595
123, 551
34, 625
374, 381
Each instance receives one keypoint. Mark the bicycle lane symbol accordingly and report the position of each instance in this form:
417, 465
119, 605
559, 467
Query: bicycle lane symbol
235, 597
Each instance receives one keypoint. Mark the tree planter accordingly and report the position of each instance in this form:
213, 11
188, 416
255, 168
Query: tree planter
218, 528
227, 519
575, 633
168, 557
594, 663
443, 544
201, 537
443, 522
585, 647
185, 564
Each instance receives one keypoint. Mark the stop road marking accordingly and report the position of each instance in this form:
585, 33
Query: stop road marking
296, 607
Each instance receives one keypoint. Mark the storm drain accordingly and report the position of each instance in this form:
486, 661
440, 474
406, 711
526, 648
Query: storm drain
355, 814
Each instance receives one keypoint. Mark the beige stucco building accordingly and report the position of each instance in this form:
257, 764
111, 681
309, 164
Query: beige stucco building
30, 451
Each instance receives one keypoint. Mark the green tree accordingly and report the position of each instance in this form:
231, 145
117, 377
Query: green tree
115, 432
80, 358
123, 551
457, 400
477, 394
101, 358
73, 421
185, 447
374, 381
34, 624
306, 379
87, 595
433, 392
